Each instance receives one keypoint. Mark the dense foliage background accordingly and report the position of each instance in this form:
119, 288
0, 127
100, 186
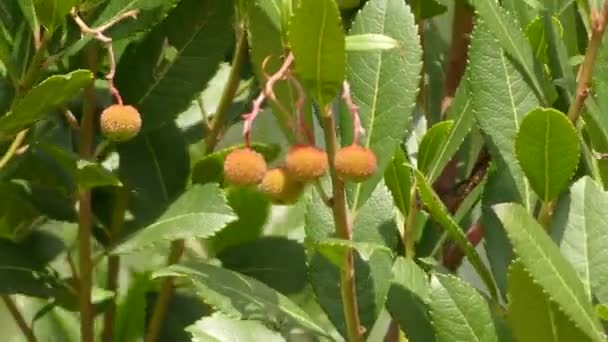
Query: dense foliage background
485, 218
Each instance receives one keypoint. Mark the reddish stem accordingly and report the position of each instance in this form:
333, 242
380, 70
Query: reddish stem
353, 109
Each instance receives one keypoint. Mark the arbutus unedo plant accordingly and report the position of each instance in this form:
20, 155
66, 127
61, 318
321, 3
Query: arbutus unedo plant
310, 170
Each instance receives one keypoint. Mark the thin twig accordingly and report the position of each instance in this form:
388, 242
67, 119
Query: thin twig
598, 27
70, 118
343, 231
19, 319
354, 112
12, 149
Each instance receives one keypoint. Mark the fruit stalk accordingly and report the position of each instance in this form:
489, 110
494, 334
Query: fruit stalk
343, 231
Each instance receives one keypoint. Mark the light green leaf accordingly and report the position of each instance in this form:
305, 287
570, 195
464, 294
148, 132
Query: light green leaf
200, 212
85, 173
335, 250
317, 42
432, 141
222, 329
52, 13
547, 149
370, 42
384, 85
440, 214
602, 311
408, 301
459, 312
541, 257
538, 36
532, 315
503, 26
579, 228
241, 297
461, 112
47, 95
501, 97
161, 80
398, 179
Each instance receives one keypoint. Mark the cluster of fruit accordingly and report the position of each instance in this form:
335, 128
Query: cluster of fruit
303, 164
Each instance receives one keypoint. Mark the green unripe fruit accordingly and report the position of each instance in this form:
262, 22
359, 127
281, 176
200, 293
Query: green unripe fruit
306, 163
244, 167
280, 187
355, 163
120, 123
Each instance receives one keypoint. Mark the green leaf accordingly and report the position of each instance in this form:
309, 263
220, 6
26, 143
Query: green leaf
374, 224
579, 228
336, 250
431, 143
276, 261
532, 315
503, 26
537, 35
459, 312
398, 179
241, 297
131, 309
426, 9
52, 13
85, 173
222, 329
461, 112
47, 95
439, 214
155, 166
370, 42
317, 43
501, 98
602, 311
161, 81
200, 212
252, 208
384, 85
408, 301
541, 257
547, 149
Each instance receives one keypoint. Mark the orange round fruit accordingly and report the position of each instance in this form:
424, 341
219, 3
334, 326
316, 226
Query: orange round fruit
120, 123
244, 167
280, 187
355, 163
306, 163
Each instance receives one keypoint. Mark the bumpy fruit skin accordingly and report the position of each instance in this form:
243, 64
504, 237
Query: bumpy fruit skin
244, 167
120, 123
355, 163
306, 163
280, 187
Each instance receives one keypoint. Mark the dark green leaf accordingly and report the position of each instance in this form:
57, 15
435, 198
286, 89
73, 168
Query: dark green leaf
162, 74
408, 301
459, 312
384, 85
440, 214
276, 261
155, 167
131, 309
547, 150
541, 257
317, 42
398, 179
47, 95
432, 141
52, 13
425, 9
537, 35
200, 212
242, 297
579, 228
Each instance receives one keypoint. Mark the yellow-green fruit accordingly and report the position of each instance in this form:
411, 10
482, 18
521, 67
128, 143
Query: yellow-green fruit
244, 167
306, 163
355, 163
120, 123
280, 187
